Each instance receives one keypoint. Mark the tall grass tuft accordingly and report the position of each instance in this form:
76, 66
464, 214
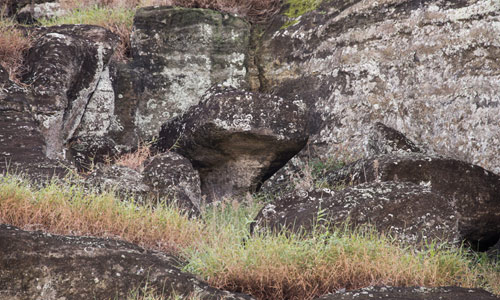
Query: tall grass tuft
13, 45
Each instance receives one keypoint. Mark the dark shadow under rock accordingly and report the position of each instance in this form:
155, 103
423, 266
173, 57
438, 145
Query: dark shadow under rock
409, 211
474, 191
412, 293
236, 139
35, 265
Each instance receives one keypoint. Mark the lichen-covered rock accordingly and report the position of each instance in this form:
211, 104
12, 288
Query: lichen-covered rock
87, 151
409, 211
36, 265
180, 53
474, 190
63, 69
123, 180
171, 175
411, 293
21, 142
426, 68
236, 140
382, 139
29, 14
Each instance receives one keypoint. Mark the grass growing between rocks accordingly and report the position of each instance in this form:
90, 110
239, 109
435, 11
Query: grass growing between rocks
117, 20
219, 248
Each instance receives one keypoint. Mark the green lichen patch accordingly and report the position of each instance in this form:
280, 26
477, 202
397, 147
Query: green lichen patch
297, 8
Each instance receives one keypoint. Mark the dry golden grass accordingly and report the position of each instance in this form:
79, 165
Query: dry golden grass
136, 159
220, 249
65, 209
13, 45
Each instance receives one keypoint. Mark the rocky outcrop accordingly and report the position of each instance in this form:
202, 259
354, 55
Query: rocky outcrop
474, 190
21, 142
164, 177
180, 53
410, 212
411, 293
426, 68
236, 139
63, 69
36, 265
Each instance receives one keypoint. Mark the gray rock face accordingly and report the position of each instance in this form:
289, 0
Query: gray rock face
474, 190
180, 53
412, 293
21, 142
236, 139
170, 174
42, 266
426, 68
410, 211
63, 69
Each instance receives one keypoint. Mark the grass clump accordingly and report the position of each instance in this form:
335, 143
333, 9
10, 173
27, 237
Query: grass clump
13, 46
118, 20
219, 247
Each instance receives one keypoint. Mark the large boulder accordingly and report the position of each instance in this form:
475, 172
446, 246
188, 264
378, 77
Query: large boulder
21, 142
411, 293
35, 265
64, 67
474, 190
236, 140
410, 212
180, 53
426, 68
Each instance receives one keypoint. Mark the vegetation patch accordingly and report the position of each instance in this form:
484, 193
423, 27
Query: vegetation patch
219, 247
297, 8
13, 45
118, 20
